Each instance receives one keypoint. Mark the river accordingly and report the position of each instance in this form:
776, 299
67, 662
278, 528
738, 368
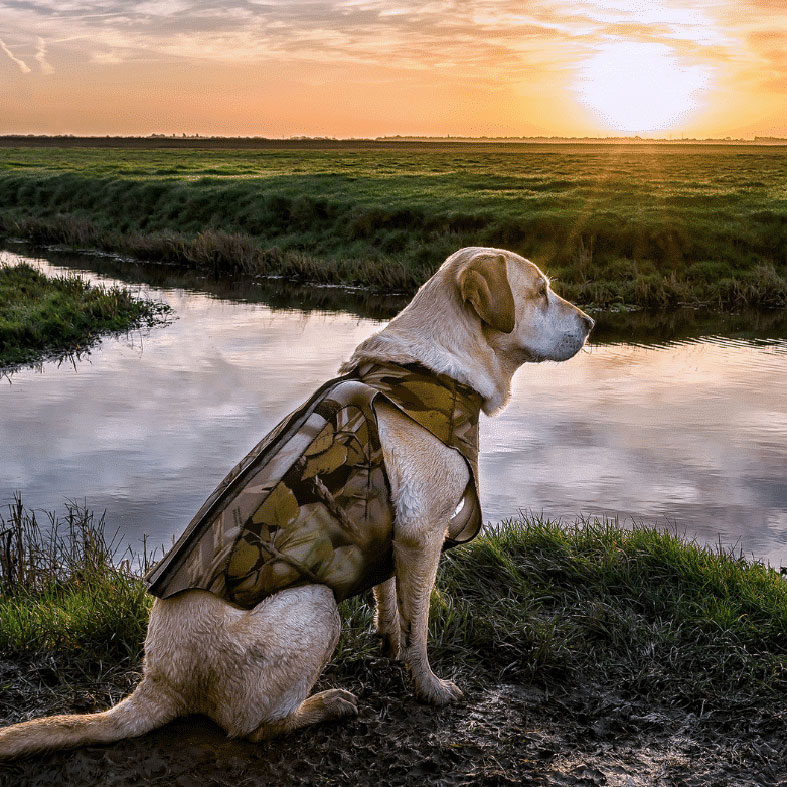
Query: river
676, 419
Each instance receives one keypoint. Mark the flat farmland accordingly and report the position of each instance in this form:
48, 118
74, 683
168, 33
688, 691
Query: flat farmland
647, 225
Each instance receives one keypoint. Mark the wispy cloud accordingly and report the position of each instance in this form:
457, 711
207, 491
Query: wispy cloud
43, 63
23, 67
413, 34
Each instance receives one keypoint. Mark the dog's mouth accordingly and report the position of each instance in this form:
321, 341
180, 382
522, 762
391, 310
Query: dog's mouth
529, 356
566, 347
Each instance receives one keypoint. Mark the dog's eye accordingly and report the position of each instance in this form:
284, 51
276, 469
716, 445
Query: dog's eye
542, 290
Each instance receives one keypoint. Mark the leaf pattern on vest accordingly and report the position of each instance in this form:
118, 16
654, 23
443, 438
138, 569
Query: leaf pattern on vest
311, 502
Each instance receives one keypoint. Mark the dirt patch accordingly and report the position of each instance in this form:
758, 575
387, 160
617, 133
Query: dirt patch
500, 734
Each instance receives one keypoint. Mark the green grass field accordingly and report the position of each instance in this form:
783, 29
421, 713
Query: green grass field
646, 225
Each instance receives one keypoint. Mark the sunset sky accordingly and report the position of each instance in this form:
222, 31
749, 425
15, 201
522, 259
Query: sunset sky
350, 68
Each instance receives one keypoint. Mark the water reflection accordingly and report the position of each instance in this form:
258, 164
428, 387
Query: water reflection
691, 434
674, 418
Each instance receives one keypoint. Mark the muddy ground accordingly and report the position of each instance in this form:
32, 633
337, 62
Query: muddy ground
499, 734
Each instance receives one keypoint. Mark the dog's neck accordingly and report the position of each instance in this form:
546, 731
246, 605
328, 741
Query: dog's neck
446, 343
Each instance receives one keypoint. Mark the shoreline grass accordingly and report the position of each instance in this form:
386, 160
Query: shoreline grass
646, 227
533, 601
42, 316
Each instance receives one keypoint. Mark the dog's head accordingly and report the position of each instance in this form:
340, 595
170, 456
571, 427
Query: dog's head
482, 315
520, 316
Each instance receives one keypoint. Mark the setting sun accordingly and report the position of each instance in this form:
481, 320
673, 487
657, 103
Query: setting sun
641, 87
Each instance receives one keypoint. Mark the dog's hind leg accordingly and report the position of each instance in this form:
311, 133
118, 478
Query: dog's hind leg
278, 651
149, 706
323, 706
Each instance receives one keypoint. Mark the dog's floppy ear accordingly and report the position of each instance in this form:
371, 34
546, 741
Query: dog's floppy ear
484, 285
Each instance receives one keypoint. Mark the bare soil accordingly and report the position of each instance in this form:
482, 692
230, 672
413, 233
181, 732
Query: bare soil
499, 734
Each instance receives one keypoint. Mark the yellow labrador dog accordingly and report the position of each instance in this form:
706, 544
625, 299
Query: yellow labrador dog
481, 316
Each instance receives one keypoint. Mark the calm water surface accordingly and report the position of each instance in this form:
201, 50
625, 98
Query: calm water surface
679, 420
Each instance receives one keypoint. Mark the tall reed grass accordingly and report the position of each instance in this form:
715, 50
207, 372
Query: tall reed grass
67, 589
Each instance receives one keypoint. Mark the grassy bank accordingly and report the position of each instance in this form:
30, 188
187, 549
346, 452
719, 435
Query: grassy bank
42, 315
536, 601
614, 224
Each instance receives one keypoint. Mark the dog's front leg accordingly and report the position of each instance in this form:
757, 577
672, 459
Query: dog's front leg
427, 479
416, 568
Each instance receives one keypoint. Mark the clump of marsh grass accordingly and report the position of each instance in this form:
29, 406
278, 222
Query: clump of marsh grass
68, 592
44, 315
226, 253
34, 556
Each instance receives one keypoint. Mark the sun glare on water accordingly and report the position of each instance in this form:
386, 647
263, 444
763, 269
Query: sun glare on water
640, 87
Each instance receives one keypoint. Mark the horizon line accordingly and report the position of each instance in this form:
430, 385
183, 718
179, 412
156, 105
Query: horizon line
459, 138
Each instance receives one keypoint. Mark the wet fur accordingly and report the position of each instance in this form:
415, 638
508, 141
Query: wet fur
483, 314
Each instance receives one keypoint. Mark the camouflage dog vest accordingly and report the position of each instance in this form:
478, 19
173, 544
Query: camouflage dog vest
311, 502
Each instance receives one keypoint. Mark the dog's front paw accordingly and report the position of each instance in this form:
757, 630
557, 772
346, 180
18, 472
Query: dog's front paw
436, 691
339, 703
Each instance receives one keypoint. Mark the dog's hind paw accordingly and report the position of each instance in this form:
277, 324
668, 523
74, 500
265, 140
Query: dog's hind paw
339, 703
324, 706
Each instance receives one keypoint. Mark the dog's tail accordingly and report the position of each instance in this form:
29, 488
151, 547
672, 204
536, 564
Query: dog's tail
148, 707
